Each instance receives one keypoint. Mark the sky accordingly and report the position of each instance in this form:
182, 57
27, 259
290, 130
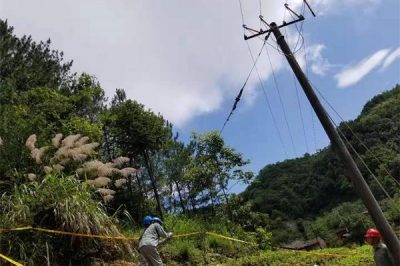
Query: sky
188, 61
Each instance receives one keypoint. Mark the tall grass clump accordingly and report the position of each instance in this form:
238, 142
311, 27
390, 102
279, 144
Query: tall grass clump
64, 204
75, 154
207, 249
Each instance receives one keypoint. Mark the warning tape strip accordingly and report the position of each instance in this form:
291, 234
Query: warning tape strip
189, 234
115, 237
229, 238
16, 229
84, 235
320, 253
136, 238
13, 262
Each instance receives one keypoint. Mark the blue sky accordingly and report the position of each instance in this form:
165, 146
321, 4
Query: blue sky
350, 35
188, 60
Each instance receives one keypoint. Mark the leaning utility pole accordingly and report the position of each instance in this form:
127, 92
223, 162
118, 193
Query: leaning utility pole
359, 183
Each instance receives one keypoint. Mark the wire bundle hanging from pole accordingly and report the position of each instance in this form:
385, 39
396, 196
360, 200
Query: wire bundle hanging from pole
238, 97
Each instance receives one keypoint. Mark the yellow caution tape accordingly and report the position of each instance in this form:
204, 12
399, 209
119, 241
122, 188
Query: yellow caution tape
230, 238
321, 253
116, 237
13, 262
16, 229
189, 234
84, 235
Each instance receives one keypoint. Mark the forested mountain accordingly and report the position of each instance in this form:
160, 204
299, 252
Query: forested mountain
305, 187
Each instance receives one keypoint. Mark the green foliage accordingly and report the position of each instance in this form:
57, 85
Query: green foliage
348, 217
62, 204
392, 210
184, 252
135, 129
263, 238
361, 256
306, 187
26, 64
212, 166
84, 127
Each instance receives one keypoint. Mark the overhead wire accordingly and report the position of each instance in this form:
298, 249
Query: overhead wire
355, 151
311, 110
294, 79
353, 134
352, 147
363, 162
300, 33
238, 97
274, 121
301, 112
359, 157
261, 83
281, 102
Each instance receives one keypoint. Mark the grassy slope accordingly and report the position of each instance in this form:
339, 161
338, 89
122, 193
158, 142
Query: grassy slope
333, 256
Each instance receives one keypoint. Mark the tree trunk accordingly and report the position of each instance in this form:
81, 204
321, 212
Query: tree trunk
192, 201
180, 197
153, 181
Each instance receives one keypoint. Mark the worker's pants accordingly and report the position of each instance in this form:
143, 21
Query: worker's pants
149, 256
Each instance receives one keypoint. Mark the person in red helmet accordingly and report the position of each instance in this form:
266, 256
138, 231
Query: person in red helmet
382, 255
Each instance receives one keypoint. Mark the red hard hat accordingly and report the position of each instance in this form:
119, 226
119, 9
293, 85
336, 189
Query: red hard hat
373, 233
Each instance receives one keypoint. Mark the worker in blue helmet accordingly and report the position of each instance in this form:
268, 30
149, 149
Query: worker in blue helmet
149, 241
147, 221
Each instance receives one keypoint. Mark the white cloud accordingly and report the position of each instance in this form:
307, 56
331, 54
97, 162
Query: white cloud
353, 74
391, 58
319, 64
180, 58
321, 7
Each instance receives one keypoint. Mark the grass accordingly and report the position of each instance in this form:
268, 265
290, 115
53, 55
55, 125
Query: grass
358, 256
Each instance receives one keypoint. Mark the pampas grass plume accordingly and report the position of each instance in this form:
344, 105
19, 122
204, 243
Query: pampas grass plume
31, 176
101, 181
31, 142
119, 161
120, 182
56, 140
105, 191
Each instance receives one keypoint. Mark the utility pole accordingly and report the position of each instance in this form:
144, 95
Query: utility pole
359, 183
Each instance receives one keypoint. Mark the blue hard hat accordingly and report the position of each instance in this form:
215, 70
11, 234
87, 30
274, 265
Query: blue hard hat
147, 220
156, 219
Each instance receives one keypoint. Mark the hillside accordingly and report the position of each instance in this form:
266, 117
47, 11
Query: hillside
306, 187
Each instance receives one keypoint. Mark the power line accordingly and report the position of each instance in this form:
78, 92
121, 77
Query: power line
311, 110
301, 112
361, 159
269, 105
294, 79
241, 11
281, 102
238, 97
357, 138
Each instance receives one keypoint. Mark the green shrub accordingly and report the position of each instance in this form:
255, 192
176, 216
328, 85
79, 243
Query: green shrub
184, 252
56, 203
361, 256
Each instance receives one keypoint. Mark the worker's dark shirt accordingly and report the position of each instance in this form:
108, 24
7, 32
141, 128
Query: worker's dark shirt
382, 256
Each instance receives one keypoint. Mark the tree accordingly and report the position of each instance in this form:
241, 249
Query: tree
26, 64
138, 133
212, 167
177, 159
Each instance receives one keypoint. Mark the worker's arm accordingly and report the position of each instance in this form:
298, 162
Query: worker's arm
161, 232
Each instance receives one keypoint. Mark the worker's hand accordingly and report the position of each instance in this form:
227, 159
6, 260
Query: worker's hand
169, 235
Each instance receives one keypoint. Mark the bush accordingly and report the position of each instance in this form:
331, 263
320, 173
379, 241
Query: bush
184, 252
361, 256
62, 204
